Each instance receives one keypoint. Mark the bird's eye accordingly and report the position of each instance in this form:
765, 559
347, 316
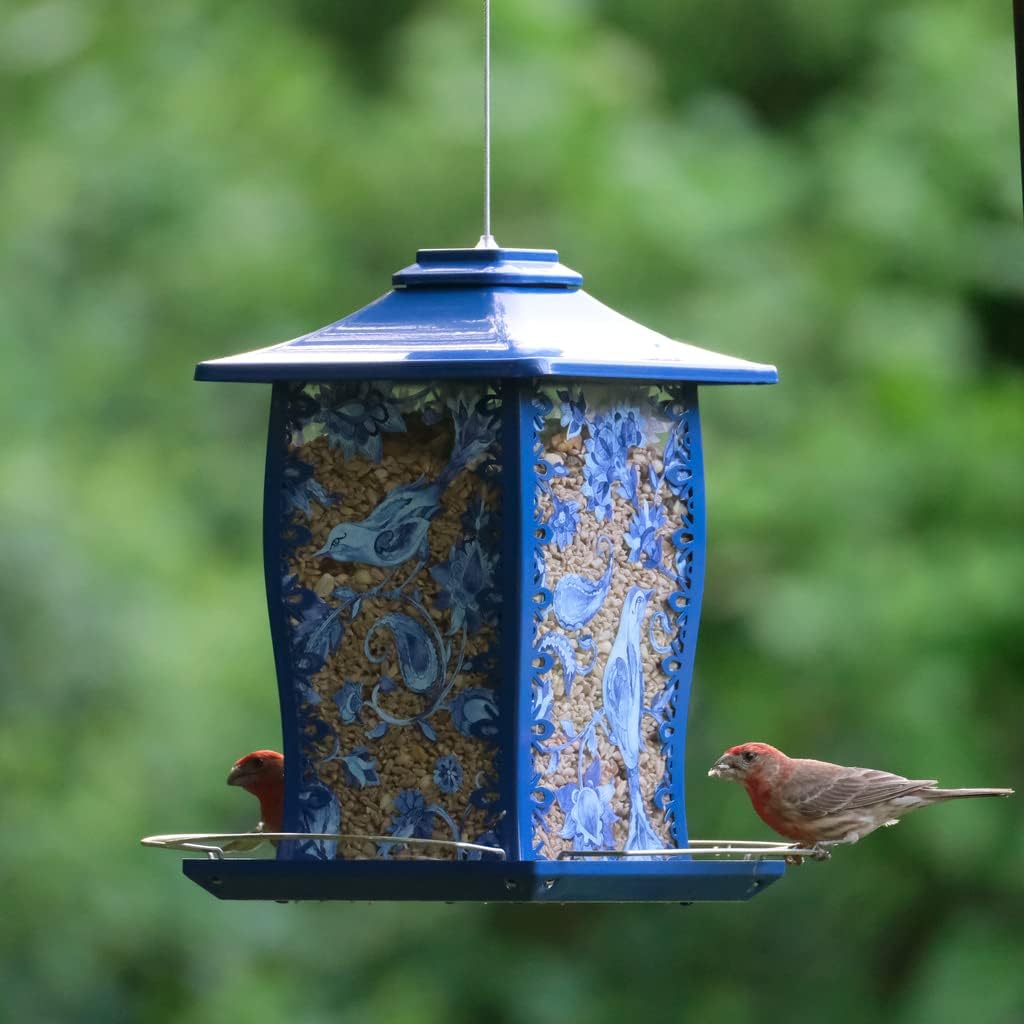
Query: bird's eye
748, 756
258, 762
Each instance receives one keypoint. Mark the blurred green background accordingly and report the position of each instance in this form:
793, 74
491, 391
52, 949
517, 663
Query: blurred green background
832, 187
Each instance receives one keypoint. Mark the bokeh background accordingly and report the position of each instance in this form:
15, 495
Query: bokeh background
832, 187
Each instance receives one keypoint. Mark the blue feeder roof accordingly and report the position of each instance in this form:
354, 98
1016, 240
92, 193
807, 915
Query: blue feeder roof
486, 313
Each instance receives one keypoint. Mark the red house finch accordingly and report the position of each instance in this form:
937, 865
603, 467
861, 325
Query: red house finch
262, 774
821, 804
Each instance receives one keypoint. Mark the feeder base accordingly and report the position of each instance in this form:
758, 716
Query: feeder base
485, 881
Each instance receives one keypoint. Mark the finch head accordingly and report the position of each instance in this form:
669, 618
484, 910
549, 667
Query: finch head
259, 771
743, 762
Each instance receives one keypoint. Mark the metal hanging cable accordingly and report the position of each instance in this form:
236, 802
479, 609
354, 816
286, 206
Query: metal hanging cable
487, 240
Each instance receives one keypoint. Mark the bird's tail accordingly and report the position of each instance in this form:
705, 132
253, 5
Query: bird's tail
956, 794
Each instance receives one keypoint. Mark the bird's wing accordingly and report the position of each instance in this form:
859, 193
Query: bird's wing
395, 502
853, 787
636, 668
390, 542
616, 689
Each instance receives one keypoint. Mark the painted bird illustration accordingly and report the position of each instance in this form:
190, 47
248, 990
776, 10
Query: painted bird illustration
393, 532
262, 774
623, 691
822, 804
396, 530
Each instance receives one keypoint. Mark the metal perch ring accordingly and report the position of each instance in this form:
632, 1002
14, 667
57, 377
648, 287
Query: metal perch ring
211, 843
707, 848
207, 842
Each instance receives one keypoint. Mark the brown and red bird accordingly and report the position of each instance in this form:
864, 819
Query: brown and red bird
821, 804
262, 774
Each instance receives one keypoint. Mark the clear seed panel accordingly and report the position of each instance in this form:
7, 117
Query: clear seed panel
390, 512
614, 564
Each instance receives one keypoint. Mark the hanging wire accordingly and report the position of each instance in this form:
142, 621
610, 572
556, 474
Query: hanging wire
487, 240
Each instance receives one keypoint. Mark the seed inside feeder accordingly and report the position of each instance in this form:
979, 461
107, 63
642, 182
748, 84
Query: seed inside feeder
613, 485
391, 570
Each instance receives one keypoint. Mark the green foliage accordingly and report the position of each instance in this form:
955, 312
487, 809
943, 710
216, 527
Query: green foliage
832, 187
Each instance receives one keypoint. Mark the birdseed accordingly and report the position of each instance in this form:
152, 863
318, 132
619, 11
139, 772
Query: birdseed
402, 752
609, 510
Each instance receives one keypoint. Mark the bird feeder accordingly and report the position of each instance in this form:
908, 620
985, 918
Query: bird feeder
484, 524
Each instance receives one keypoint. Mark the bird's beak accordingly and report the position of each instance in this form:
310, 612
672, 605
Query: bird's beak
722, 769
238, 776
321, 552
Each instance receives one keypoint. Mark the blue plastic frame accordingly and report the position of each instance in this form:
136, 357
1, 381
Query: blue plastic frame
511, 651
273, 568
683, 675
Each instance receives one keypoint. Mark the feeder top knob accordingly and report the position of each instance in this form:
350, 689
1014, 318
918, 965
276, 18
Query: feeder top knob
488, 268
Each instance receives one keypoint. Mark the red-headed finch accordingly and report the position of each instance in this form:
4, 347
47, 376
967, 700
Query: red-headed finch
262, 774
821, 804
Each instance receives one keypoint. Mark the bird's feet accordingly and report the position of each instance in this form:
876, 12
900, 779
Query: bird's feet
819, 851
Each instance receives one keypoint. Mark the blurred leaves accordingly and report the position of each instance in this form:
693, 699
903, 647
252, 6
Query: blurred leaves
831, 187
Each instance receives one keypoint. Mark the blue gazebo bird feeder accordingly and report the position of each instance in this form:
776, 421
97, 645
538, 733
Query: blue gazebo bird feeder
484, 543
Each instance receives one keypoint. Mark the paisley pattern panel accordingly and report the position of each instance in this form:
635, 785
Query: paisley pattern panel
390, 508
614, 521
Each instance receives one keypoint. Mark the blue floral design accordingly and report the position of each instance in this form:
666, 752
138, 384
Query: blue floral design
642, 535
448, 774
627, 425
349, 700
603, 447
360, 768
677, 472
465, 581
413, 818
629, 485
475, 713
564, 521
589, 817
317, 629
356, 416
564, 650
476, 517
605, 457
475, 432
300, 487
574, 413
319, 813
597, 487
